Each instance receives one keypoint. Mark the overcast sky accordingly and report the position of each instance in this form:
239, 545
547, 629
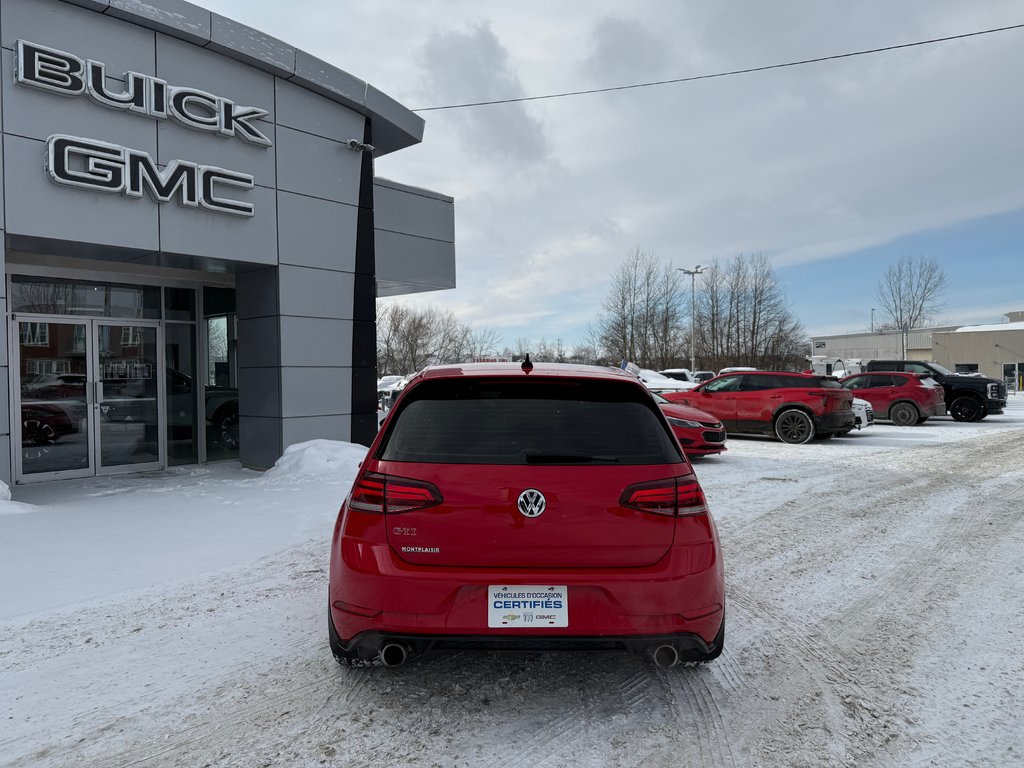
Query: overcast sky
832, 170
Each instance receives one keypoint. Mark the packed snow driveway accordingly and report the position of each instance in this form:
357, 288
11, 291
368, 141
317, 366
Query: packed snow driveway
873, 619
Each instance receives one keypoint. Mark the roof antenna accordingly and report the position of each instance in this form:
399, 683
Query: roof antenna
527, 365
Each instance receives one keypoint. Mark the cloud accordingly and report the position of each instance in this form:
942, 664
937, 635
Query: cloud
625, 51
472, 65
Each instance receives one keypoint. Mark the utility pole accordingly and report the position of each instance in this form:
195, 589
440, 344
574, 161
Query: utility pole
693, 309
872, 319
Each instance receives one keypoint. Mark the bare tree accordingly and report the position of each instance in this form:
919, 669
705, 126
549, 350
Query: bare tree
643, 313
482, 342
743, 317
409, 338
910, 293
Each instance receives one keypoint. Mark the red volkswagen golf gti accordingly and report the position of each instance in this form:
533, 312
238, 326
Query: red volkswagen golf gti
534, 507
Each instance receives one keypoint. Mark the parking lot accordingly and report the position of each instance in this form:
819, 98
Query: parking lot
873, 619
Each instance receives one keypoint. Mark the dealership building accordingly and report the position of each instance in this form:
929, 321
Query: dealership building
194, 240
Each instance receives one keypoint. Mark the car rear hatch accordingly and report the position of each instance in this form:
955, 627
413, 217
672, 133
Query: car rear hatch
529, 475
835, 397
481, 522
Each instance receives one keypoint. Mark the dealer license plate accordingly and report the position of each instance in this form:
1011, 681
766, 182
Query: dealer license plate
517, 605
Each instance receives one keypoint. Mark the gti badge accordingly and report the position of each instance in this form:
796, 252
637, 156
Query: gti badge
532, 503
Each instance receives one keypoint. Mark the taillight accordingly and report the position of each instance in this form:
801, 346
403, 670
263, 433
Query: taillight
669, 497
380, 494
368, 494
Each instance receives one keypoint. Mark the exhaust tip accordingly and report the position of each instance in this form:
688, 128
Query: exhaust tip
665, 655
394, 654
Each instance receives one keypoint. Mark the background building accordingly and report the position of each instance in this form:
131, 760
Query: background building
997, 351
194, 239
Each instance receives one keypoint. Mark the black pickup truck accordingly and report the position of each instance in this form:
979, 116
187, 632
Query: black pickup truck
968, 398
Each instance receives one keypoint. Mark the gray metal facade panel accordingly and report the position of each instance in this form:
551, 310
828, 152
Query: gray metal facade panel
309, 292
184, 64
259, 342
38, 114
196, 231
233, 154
327, 80
95, 5
405, 259
90, 217
305, 111
399, 210
177, 17
314, 341
300, 429
260, 439
316, 233
402, 126
259, 392
5, 386
256, 294
311, 165
86, 34
5, 460
315, 391
263, 51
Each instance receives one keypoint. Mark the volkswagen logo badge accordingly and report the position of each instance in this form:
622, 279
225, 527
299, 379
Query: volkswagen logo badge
532, 503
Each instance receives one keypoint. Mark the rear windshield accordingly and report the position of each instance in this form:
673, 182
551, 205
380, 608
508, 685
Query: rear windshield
528, 422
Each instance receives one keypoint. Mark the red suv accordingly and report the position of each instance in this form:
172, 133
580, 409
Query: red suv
903, 398
530, 507
794, 407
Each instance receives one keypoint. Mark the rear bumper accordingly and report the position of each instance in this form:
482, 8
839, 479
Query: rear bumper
835, 422
372, 591
689, 646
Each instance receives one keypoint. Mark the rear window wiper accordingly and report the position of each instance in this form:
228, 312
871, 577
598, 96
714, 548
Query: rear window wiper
540, 457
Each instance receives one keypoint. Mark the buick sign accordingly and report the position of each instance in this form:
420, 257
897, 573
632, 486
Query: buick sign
65, 74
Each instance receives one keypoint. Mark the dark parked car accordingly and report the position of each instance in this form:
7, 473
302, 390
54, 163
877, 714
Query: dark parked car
794, 407
508, 507
903, 398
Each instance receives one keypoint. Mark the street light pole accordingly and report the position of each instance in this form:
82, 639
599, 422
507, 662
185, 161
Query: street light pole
693, 308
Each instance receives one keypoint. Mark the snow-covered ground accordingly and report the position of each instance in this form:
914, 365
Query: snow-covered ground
874, 619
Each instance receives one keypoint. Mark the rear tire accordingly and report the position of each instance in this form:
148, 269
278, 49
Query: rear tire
966, 408
793, 426
225, 428
904, 415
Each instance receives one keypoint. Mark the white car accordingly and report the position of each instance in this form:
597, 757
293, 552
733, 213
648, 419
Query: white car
863, 414
655, 382
735, 369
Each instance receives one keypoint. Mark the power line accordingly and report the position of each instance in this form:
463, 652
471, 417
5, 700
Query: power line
723, 74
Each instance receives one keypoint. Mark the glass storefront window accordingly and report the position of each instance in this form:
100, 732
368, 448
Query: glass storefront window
179, 304
53, 296
179, 348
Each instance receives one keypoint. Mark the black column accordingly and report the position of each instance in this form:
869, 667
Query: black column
364, 312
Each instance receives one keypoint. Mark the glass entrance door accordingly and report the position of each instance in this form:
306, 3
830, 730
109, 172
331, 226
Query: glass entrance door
89, 397
54, 406
127, 396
